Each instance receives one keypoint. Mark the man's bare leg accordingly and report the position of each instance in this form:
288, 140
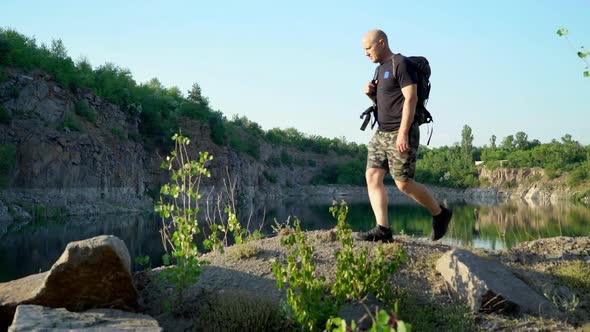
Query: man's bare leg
440, 216
378, 199
420, 194
377, 194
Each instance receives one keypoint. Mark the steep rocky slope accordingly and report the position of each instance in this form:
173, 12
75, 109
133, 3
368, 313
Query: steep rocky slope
67, 163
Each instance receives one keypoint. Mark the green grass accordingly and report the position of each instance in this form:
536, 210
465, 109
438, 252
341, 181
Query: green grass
239, 251
429, 316
575, 275
243, 311
119, 133
70, 123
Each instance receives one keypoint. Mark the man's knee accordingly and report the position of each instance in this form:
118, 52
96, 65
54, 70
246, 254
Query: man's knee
375, 176
407, 187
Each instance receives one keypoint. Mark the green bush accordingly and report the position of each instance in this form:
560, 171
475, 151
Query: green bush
7, 163
244, 142
552, 173
577, 176
84, 110
286, 158
135, 137
243, 311
179, 218
342, 173
3, 75
70, 123
273, 162
307, 294
13, 91
194, 111
4, 116
312, 300
299, 162
218, 130
120, 133
271, 177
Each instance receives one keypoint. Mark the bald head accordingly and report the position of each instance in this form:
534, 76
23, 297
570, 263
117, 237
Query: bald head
376, 46
375, 36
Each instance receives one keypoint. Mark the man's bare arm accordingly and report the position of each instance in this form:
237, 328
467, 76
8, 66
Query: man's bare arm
410, 93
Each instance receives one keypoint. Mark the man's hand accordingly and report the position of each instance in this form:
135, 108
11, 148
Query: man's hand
401, 143
370, 89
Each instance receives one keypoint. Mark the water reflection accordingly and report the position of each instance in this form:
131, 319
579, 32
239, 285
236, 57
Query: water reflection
37, 246
495, 227
505, 225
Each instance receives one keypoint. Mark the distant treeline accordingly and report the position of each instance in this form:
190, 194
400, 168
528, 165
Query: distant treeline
160, 108
455, 166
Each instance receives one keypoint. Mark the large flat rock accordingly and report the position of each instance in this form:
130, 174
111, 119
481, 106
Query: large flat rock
38, 318
92, 273
488, 286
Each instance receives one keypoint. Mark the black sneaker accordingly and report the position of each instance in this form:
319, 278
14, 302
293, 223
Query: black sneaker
375, 234
440, 223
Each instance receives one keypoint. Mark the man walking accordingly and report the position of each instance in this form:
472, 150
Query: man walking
394, 147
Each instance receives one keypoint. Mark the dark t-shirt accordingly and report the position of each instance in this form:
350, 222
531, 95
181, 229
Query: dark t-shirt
390, 100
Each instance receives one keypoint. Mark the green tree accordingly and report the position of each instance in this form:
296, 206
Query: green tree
508, 143
195, 95
467, 145
493, 142
58, 49
521, 141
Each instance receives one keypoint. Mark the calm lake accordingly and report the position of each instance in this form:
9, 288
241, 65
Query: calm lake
35, 247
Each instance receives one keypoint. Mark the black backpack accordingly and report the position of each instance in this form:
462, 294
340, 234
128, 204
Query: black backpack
422, 116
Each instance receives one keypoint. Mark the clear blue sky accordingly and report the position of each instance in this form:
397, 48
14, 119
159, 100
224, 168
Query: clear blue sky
498, 66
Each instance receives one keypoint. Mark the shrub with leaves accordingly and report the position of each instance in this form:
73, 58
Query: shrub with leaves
178, 208
240, 310
84, 110
307, 294
144, 262
382, 322
357, 273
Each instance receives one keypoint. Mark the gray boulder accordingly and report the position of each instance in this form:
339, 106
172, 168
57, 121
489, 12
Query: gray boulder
92, 273
35, 318
489, 286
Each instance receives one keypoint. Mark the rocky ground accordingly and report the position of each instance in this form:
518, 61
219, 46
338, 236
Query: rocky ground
235, 288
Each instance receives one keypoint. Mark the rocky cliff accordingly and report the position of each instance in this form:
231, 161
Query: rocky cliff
69, 163
529, 184
62, 159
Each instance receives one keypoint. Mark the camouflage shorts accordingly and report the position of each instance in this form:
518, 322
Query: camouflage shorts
384, 154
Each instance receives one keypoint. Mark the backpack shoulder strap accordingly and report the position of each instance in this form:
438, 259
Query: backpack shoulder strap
376, 74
